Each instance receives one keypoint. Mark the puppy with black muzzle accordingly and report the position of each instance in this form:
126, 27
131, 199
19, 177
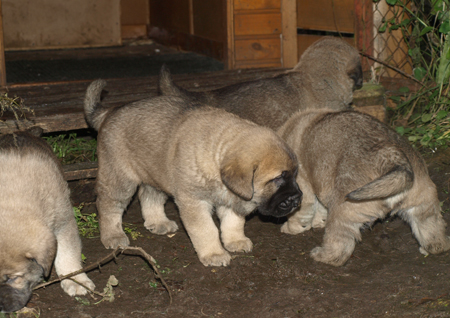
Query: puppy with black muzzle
361, 170
204, 157
325, 77
36, 221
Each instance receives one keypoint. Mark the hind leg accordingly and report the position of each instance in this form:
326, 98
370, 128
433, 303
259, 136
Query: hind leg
152, 205
113, 196
342, 230
428, 226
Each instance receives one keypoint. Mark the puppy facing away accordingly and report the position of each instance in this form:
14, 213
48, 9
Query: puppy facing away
206, 158
361, 170
36, 221
325, 77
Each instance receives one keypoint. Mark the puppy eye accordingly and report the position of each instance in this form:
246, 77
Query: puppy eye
280, 179
11, 279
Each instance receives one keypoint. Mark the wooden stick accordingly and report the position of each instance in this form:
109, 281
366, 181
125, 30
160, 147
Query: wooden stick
107, 258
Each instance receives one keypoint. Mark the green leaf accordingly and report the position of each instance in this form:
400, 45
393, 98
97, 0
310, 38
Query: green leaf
403, 89
405, 22
391, 2
426, 118
445, 27
395, 98
419, 73
426, 30
441, 114
400, 130
383, 27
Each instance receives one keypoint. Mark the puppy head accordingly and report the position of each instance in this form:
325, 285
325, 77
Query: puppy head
332, 61
354, 72
263, 171
21, 271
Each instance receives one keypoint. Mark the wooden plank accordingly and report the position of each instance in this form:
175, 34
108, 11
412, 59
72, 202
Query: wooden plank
289, 31
2, 52
326, 15
82, 170
258, 64
262, 23
230, 35
364, 30
45, 24
257, 4
257, 49
59, 106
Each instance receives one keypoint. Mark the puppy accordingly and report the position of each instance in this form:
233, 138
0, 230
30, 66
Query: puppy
328, 72
204, 157
36, 221
360, 170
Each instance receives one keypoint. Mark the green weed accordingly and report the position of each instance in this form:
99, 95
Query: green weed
70, 148
87, 223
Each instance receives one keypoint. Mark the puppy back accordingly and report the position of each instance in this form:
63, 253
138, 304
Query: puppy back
93, 110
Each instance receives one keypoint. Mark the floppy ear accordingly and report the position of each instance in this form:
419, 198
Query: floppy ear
44, 254
238, 177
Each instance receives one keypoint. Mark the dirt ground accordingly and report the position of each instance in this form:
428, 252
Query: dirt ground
385, 277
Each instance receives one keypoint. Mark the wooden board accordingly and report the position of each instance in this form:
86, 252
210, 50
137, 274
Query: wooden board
59, 106
134, 12
326, 15
258, 49
260, 23
46, 24
256, 4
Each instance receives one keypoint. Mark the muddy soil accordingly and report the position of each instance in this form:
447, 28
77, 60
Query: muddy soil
385, 277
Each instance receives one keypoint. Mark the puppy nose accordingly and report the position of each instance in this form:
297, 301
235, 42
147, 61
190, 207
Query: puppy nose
292, 202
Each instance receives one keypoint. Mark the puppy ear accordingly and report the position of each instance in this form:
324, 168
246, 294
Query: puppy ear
238, 177
44, 255
356, 74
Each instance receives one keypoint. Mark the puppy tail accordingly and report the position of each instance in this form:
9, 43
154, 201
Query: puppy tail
399, 179
166, 86
93, 110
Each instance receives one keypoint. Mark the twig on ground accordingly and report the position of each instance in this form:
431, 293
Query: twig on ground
107, 258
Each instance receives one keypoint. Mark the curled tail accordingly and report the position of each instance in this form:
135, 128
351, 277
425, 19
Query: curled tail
93, 110
166, 85
398, 179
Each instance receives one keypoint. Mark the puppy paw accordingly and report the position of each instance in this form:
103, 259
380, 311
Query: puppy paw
114, 241
244, 245
162, 228
216, 259
320, 254
294, 228
72, 288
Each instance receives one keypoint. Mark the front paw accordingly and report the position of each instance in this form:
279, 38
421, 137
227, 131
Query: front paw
114, 241
72, 288
294, 228
216, 259
162, 228
244, 245
320, 254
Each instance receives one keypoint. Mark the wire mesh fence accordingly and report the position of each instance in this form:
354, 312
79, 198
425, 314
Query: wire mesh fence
408, 35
